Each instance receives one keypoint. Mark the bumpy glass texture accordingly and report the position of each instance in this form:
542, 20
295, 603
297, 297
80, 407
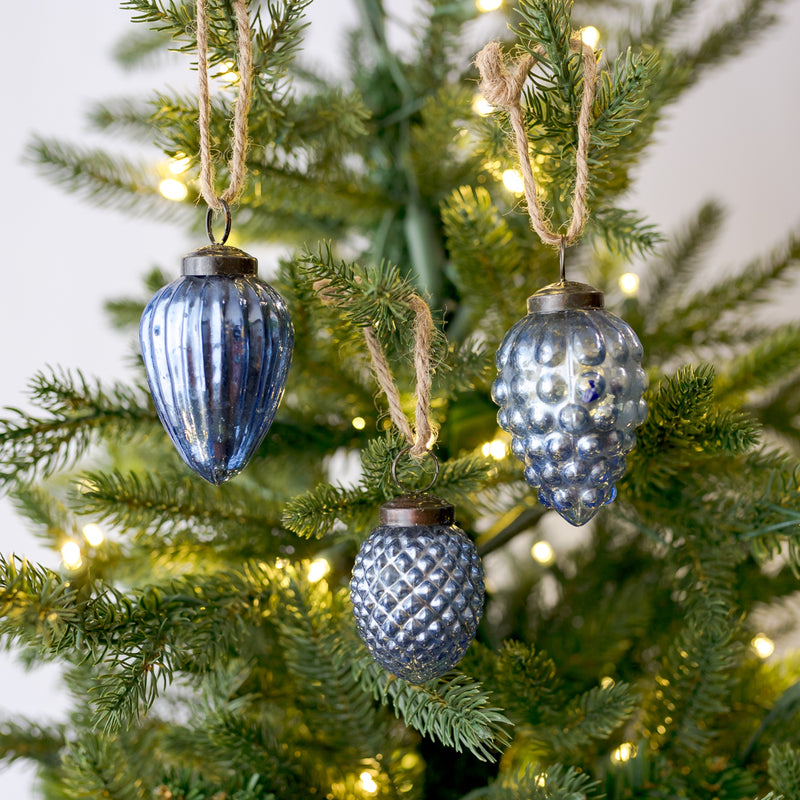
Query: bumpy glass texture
417, 595
570, 391
217, 351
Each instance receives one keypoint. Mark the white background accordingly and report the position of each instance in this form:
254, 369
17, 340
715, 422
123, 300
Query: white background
735, 138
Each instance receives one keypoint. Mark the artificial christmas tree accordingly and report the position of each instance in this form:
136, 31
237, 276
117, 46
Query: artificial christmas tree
212, 630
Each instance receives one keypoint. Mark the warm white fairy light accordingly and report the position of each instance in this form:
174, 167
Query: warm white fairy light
542, 552
488, 5
172, 189
71, 555
318, 570
541, 779
359, 423
512, 180
230, 75
625, 752
606, 682
591, 36
179, 164
481, 106
496, 449
629, 283
368, 783
763, 645
93, 534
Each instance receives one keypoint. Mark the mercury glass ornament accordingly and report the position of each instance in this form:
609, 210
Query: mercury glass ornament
216, 345
570, 388
417, 588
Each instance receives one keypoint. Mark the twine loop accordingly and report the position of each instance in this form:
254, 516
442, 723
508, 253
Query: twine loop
244, 59
421, 438
502, 85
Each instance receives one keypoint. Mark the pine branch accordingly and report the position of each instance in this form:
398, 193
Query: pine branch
105, 180
174, 507
784, 770
99, 767
79, 413
454, 710
32, 741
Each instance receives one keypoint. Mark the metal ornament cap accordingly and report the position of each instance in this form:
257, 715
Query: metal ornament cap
563, 296
219, 259
217, 344
417, 508
417, 589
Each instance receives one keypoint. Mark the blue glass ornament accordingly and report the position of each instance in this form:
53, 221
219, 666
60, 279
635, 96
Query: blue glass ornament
570, 388
217, 344
417, 589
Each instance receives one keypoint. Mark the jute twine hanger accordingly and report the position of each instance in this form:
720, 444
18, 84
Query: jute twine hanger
421, 438
503, 87
244, 59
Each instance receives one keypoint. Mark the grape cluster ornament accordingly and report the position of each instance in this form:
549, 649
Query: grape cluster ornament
570, 387
217, 342
417, 587
569, 381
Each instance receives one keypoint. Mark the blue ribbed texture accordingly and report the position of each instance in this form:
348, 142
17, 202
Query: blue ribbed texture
570, 391
217, 351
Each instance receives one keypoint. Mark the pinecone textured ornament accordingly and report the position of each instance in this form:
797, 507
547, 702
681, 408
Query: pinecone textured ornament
417, 589
570, 389
217, 344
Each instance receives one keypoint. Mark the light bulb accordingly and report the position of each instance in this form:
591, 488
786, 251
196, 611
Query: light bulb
625, 752
359, 423
542, 552
71, 555
591, 36
512, 180
172, 189
480, 105
488, 5
763, 645
318, 570
93, 534
629, 283
368, 783
179, 164
496, 449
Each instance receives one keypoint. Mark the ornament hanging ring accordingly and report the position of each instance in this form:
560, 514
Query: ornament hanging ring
403, 486
226, 209
562, 259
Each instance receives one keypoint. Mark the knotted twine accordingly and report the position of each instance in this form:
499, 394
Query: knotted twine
244, 59
422, 437
503, 87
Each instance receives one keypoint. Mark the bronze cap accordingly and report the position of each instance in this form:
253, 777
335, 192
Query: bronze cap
418, 508
565, 296
219, 259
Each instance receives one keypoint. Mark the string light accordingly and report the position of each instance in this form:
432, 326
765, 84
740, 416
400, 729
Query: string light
480, 105
179, 164
542, 552
629, 283
606, 682
230, 75
368, 783
625, 752
318, 570
496, 449
512, 180
763, 645
93, 534
488, 5
359, 423
591, 36
172, 189
71, 555
541, 779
